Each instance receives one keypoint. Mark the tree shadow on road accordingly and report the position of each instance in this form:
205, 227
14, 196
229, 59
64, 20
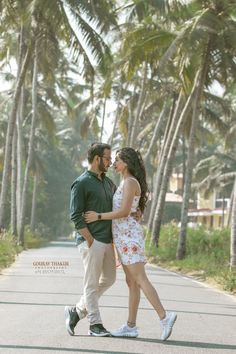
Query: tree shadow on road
55, 349
188, 344
112, 307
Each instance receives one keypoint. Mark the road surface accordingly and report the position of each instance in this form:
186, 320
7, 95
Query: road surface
35, 289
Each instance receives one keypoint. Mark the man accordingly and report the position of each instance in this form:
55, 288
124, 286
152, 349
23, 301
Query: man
93, 191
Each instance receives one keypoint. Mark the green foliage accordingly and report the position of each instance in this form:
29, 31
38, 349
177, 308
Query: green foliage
172, 212
8, 249
214, 244
228, 279
208, 253
143, 44
168, 243
35, 239
54, 198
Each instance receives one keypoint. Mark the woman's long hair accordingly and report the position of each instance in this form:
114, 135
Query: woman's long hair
136, 167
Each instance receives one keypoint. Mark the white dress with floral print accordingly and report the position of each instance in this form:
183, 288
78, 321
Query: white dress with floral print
127, 232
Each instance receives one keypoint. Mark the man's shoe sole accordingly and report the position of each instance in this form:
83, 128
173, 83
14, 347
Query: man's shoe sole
129, 335
99, 334
125, 335
67, 317
175, 318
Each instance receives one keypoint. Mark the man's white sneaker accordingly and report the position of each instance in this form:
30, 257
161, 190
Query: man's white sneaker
167, 324
125, 331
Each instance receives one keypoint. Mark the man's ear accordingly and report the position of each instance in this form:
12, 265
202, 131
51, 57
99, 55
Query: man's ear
97, 159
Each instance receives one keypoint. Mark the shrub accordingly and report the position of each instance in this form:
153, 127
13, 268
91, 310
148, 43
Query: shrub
207, 252
8, 249
33, 240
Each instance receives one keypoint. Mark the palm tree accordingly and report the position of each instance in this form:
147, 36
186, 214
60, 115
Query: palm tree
233, 230
214, 45
200, 24
9, 137
57, 26
32, 134
13, 186
213, 113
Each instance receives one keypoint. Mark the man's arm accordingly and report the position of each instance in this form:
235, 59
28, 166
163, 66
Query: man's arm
86, 235
77, 208
124, 211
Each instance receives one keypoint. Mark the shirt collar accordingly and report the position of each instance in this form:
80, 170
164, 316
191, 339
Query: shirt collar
96, 174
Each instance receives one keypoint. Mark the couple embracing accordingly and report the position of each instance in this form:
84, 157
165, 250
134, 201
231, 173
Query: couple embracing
103, 215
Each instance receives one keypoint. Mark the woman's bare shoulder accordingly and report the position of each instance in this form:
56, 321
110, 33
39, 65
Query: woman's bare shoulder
132, 182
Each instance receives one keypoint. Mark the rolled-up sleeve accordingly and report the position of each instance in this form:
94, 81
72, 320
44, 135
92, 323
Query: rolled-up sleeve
77, 205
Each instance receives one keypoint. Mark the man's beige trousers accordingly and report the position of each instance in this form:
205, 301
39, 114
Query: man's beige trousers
99, 275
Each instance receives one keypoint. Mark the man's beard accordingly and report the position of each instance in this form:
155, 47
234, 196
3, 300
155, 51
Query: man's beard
102, 167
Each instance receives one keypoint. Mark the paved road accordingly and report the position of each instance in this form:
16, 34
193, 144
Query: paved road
33, 296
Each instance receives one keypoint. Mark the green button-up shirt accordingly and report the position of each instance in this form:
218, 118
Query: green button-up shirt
88, 192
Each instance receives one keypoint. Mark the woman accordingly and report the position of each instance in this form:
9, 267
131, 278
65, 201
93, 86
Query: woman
129, 240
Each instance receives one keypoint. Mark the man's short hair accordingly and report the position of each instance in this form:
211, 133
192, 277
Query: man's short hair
97, 149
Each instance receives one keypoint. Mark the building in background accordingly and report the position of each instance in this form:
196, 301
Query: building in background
212, 212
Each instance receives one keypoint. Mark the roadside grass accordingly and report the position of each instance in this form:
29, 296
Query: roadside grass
9, 248
33, 240
207, 255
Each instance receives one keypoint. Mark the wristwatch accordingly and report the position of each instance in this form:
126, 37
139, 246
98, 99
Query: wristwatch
99, 216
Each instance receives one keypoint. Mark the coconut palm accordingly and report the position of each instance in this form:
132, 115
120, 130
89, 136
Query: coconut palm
233, 230
216, 120
201, 26
57, 25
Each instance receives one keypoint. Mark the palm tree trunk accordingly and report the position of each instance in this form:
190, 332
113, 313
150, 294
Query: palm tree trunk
160, 168
103, 117
19, 120
170, 128
156, 178
31, 145
161, 198
181, 248
140, 108
233, 231
116, 115
10, 131
158, 126
130, 119
13, 185
168, 165
230, 208
184, 162
154, 199
19, 183
34, 199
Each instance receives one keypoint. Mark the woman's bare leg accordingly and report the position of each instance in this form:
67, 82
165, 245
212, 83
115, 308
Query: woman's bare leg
138, 274
134, 297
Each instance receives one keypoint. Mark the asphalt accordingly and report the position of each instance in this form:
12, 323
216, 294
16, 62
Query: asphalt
36, 288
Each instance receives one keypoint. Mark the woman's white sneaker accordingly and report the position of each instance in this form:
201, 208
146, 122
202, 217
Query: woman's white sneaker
167, 324
125, 331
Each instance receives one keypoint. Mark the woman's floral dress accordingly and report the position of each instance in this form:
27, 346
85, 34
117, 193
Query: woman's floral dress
127, 232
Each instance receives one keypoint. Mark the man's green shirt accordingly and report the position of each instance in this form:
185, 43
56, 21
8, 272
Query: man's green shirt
89, 193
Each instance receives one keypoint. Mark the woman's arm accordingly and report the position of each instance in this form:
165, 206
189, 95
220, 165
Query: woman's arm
129, 191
